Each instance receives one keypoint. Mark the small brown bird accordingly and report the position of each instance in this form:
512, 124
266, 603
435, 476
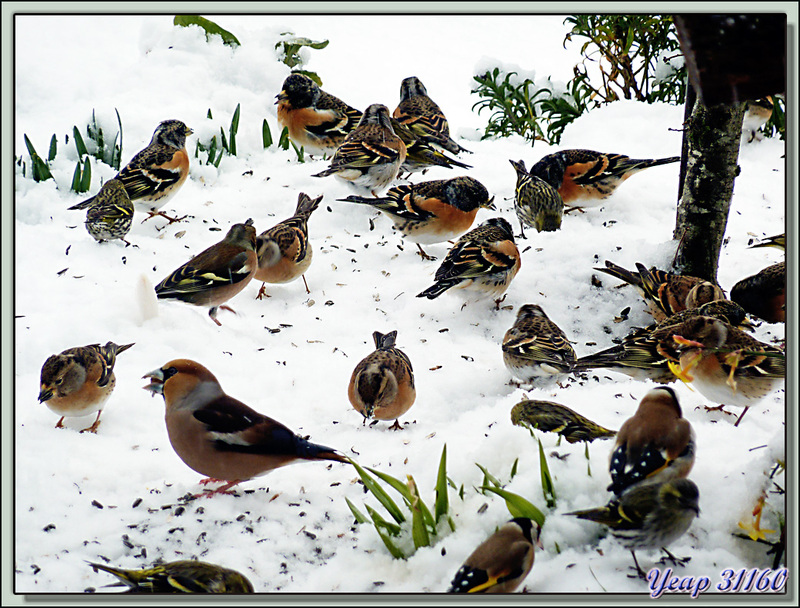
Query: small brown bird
79, 381
382, 384
433, 211
757, 113
502, 561
726, 365
763, 294
221, 437
485, 260
420, 113
649, 516
536, 350
371, 154
656, 444
154, 175
185, 576
666, 293
556, 418
215, 275
110, 215
536, 202
587, 176
284, 251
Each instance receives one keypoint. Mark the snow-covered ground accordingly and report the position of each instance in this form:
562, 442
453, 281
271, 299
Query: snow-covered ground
117, 495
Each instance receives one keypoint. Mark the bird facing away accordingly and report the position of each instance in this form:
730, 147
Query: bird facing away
536, 350
649, 516
185, 576
110, 215
587, 176
502, 561
484, 260
371, 154
536, 202
655, 444
552, 417
726, 365
423, 116
284, 251
382, 384
645, 353
666, 293
215, 275
763, 294
431, 212
221, 437
79, 381
154, 175
314, 119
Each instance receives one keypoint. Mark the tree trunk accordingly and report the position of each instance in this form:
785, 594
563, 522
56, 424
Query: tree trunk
712, 153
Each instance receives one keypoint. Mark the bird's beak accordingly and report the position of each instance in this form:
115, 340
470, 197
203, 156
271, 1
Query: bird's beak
188, 132
45, 394
157, 382
281, 97
489, 204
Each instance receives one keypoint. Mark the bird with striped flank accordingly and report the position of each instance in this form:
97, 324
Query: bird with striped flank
551, 417
110, 215
184, 576
536, 202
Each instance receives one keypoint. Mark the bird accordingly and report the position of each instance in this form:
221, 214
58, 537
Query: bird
763, 294
757, 113
314, 119
587, 176
553, 417
536, 350
484, 260
371, 154
726, 365
501, 562
423, 116
79, 381
382, 384
221, 437
655, 444
666, 293
649, 516
284, 251
215, 275
184, 576
154, 175
645, 353
432, 211
536, 202
778, 241
110, 215
420, 155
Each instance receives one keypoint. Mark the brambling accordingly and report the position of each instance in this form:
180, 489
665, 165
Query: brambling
666, 293
433, 211
587, 176
645, 353
655, 444
315, 120
110, 215
756, 114
215, 275
79, 381
421, 114
763, 294
649, 516
420, 155
484, 260
502, 561
778, 241
221, 437
726, 365
284, 251
184, 576
536, 202
536, 350
155, 174
371, 154
552, 417
382, 384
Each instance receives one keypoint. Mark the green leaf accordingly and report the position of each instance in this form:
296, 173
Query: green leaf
360, 517
283, 141
548, 489
235, 128
517, 505
116, 156
76, 178
404, 491
379, 521
299, 151
51, 156
211, 28
208, 115
266, 134
79, 145
442, 503
39, 169
380, 494
419, 531
393, 549
514, 468
488, 476
86, 178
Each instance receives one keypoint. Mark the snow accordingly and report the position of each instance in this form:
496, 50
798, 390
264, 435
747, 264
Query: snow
290, 356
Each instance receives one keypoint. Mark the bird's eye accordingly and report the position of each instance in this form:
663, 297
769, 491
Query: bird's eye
169, 372
59, 381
